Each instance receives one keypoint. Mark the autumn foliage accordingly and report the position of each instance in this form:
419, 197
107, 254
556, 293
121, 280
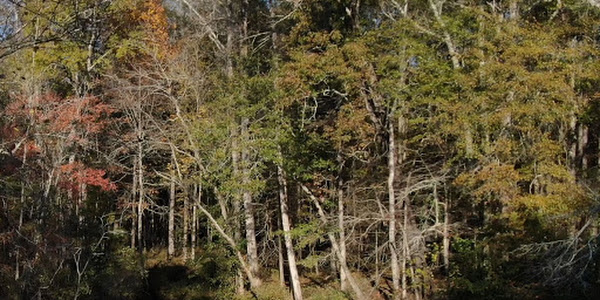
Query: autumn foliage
77, 174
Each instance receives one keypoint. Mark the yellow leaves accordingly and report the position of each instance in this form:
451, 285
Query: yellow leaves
155, 21
494, 180
144, 29
562, 199
545, 205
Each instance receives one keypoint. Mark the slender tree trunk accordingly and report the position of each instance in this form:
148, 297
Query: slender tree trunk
376, 257
394, 265
356, 18
133, 200
573, 143
289, 245
251, 244
237, 231
250, 224
171, 241
281, 262
437, 9
229, 43
280, 259
405, 248
21, 212
244, 29
82, 199
140, 206
582, 141
186, 221
198, 189
446, 237
572, 154
341, 228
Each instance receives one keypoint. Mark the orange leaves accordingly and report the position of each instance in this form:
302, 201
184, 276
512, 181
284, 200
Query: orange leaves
155, 20
155, 26
76, 174
143, 31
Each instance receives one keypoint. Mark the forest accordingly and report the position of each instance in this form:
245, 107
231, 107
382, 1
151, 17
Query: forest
299, 149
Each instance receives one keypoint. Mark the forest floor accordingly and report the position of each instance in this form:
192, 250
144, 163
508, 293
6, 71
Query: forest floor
205, 279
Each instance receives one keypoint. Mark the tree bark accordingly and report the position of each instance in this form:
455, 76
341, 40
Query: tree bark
573, 142
582, 141
446, 235
186, 220
251, 244
281, 262
171, 238
229, 43
405, 248
394, 265
289, 245
436, 8
140, 206
341, 228
198, 189
133, 200
237, 231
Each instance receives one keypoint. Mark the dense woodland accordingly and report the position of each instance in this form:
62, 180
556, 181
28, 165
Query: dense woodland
299, 149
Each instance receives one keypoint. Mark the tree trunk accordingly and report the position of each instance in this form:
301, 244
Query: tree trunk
198, 189
186, 221
281, 262
289, 245
341, 228
251, 244
392, 206
573, 143
446, 233
133, 200
405, 248
237, 231
582, 141
376, 277
229, 43
171, 241
140, 206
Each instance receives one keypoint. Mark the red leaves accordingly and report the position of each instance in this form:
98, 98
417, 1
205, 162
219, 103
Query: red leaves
52, 128
76, 174
74, 118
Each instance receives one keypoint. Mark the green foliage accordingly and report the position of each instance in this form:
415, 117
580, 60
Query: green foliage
120, 276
